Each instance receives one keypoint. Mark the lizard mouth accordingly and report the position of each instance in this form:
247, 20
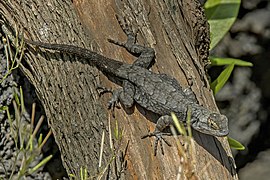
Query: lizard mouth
218, 132
222, 133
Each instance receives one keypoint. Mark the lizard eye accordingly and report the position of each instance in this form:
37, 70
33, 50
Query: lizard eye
212, 124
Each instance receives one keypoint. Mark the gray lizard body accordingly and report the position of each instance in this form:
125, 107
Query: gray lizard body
158, 93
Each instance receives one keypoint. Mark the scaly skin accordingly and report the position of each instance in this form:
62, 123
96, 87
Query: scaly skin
158, 93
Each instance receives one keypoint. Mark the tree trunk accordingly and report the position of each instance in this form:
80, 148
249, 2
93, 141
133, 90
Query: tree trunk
66, 86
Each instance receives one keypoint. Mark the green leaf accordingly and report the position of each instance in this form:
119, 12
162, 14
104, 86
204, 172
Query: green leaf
221, 15
222, 79
235, 144
217, 61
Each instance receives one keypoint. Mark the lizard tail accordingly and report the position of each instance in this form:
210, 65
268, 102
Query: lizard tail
103, 63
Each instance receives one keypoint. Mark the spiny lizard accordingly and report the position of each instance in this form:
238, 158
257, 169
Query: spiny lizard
158, 93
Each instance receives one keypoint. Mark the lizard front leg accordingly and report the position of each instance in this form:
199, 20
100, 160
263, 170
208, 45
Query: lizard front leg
162, 123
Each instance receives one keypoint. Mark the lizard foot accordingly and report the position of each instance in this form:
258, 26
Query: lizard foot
159, 138
103, 90
114, 101
130, 41
128, 29
131, 37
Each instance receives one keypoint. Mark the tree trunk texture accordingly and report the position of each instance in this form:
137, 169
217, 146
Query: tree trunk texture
66, 85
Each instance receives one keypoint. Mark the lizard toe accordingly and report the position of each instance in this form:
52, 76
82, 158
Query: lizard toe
159, 140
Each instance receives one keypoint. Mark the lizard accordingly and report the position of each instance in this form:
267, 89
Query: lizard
159, 93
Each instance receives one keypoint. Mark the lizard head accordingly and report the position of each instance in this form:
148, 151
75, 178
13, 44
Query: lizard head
212, 123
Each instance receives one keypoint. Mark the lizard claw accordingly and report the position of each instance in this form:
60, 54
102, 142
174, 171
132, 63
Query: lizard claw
113, 103
159, 138
131, 34
103, 90
130, 41
116, 42
126, 26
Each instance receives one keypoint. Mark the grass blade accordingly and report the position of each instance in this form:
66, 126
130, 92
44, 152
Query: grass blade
43, 162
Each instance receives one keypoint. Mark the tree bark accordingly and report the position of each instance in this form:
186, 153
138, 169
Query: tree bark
179, 33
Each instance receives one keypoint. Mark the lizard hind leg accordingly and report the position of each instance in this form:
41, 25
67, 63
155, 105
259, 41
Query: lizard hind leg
123, 95
113, 102
145, 55
127, 95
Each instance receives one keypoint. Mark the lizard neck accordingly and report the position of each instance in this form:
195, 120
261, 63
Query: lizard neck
198, 112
